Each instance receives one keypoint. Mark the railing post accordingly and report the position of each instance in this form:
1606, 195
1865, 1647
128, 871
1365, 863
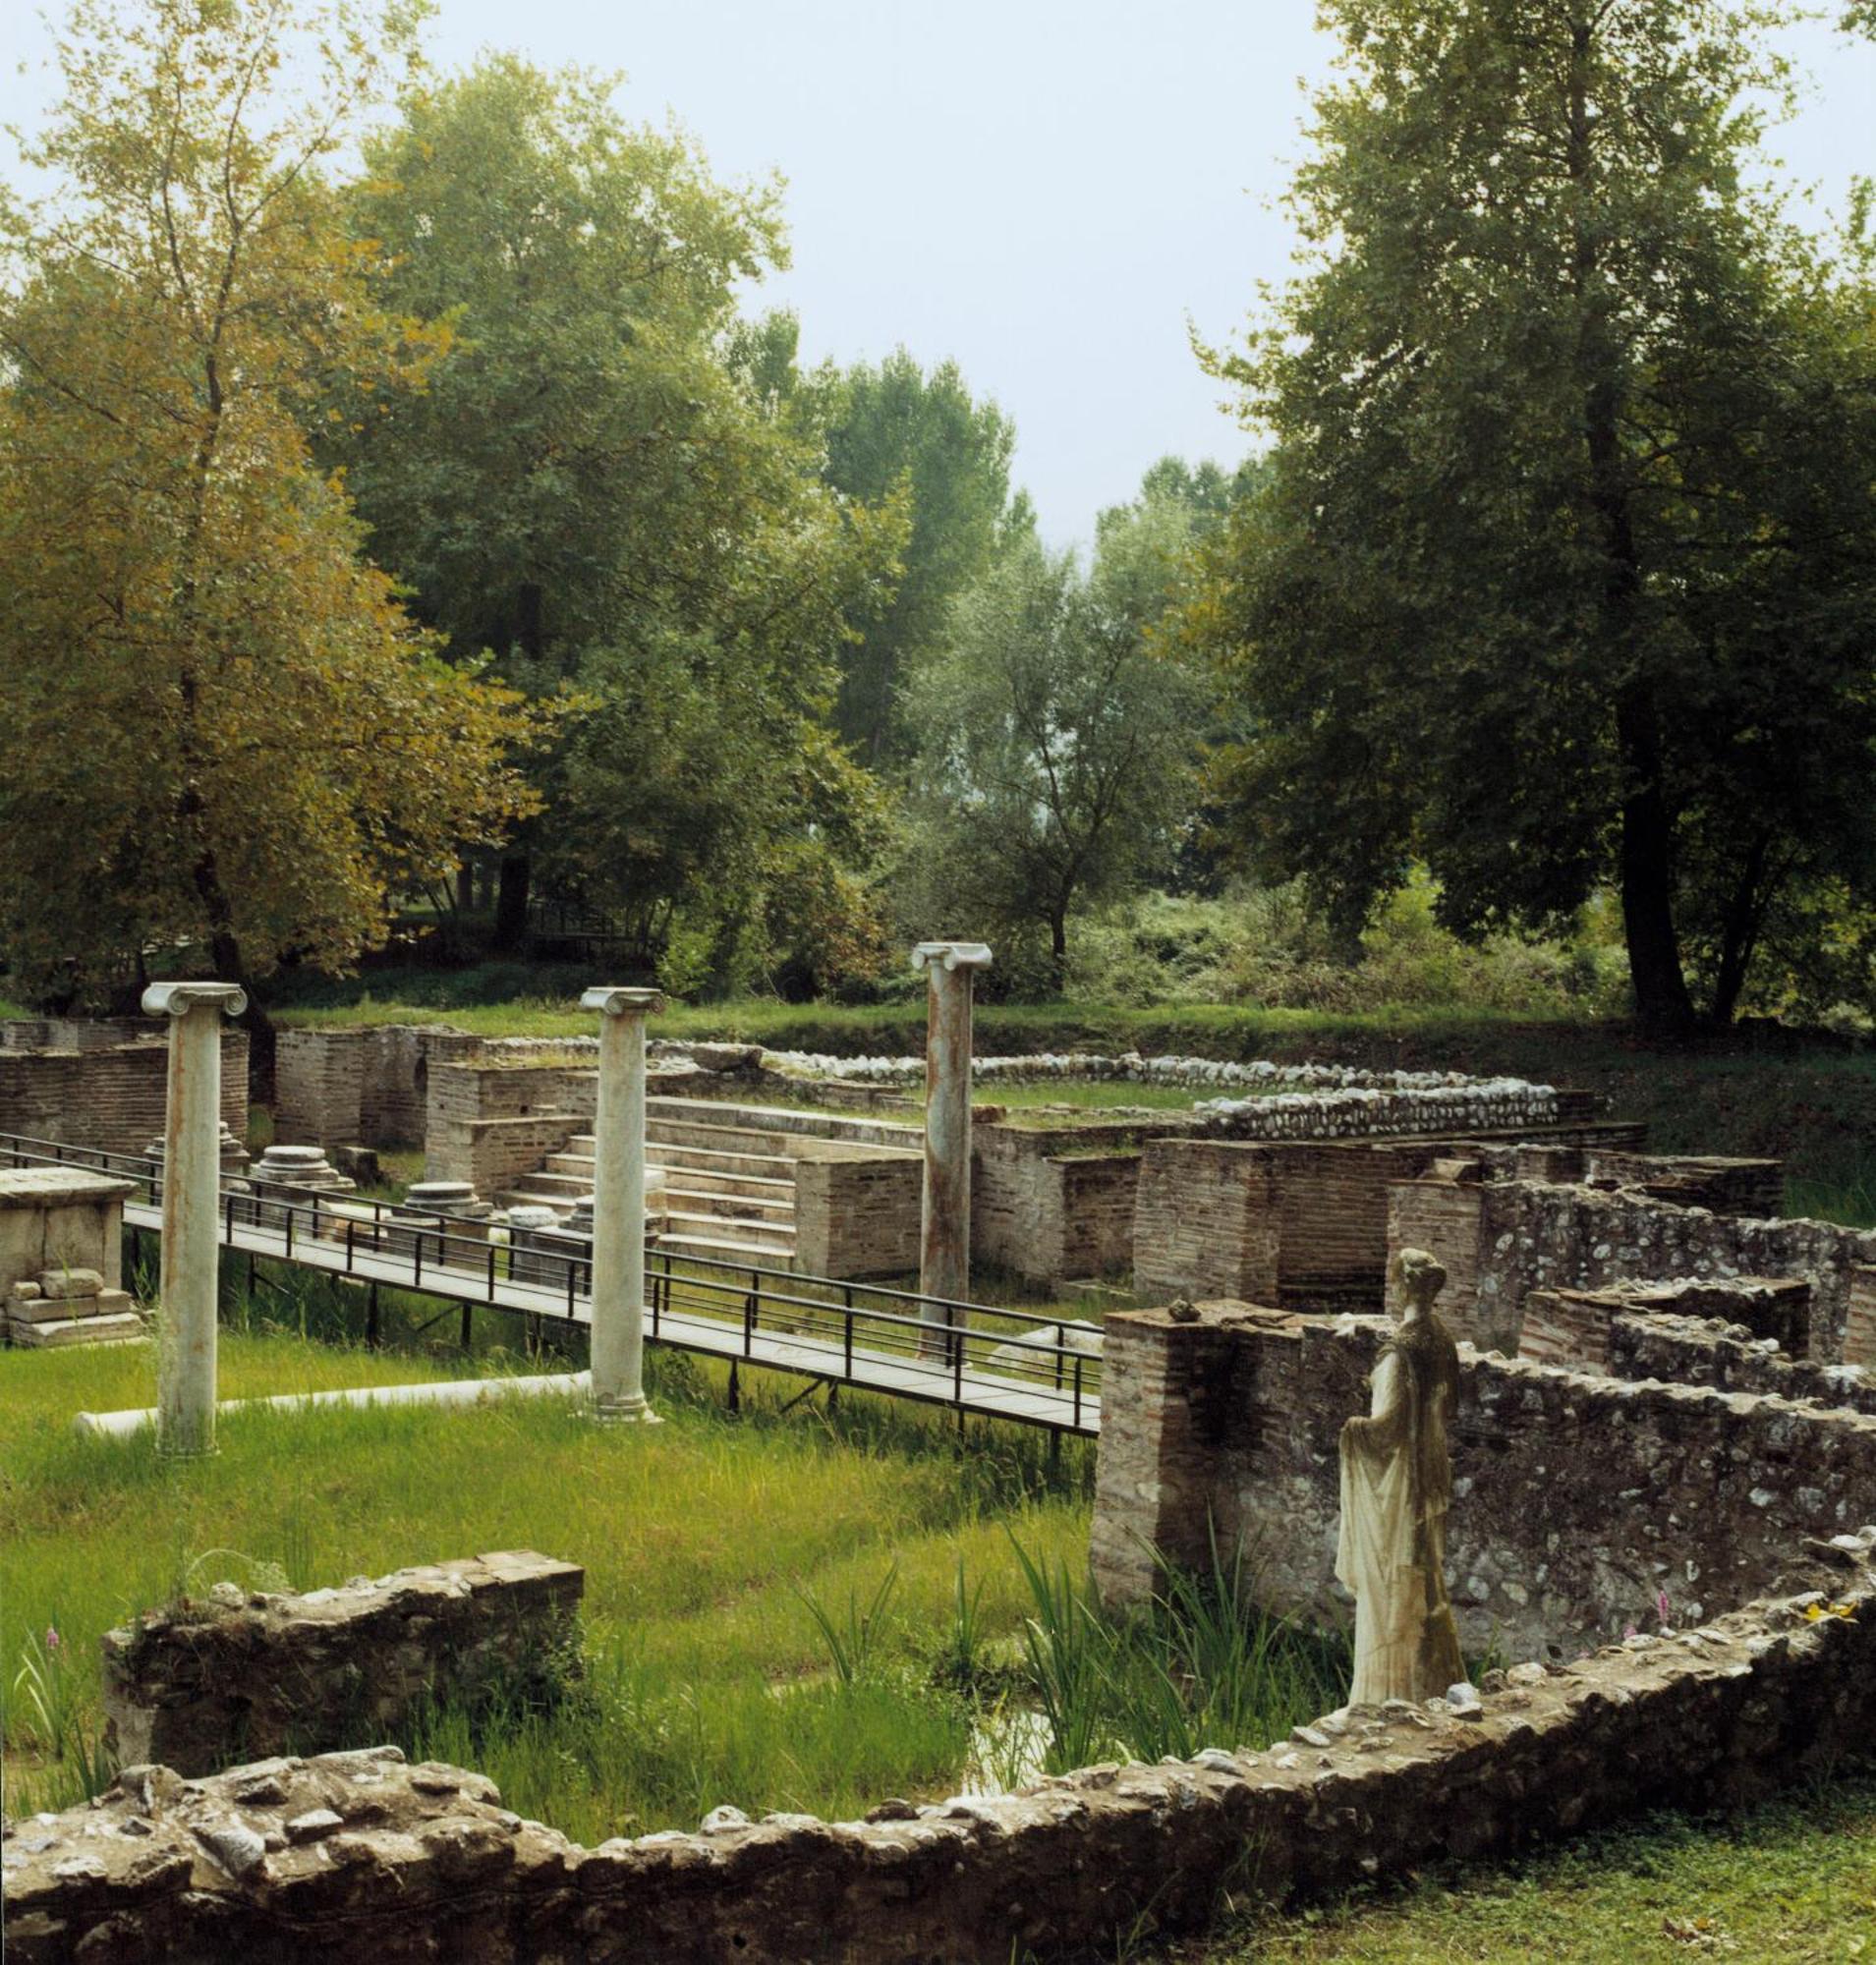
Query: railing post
1078, 1388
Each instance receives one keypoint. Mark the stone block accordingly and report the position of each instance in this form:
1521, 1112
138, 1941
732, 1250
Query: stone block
70, 1283
119, 1330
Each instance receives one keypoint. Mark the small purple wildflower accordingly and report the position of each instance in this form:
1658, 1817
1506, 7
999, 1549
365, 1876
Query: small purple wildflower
53, 1642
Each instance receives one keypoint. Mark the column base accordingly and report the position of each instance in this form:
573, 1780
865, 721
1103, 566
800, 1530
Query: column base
166, 1452
625, 1413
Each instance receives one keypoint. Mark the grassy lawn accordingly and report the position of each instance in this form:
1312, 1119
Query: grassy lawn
1793, 1882
708, 1680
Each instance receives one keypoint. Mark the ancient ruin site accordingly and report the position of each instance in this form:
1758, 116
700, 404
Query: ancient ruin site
937, 982
1610, 1552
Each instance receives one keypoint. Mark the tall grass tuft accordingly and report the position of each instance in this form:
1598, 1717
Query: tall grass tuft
1202, 1666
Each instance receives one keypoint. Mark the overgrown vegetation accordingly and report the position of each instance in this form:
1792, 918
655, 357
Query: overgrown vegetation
1793, 1880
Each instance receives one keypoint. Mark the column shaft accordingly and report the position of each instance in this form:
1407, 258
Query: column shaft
192, 1246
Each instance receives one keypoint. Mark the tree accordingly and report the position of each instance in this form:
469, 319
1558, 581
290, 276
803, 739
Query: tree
1558, 578
599, 483
237, 737
895, 430
1058, 729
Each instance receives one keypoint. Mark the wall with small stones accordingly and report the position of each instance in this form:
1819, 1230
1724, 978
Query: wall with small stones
1708, 1351
1502, 1239
1576, 1328
236, 1676
108, 1096
1577, 1499
360, 1857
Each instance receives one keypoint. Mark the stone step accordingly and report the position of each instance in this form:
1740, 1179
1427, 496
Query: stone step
682, 1221
718, 1160
124, 1327
737, 1207
558, 1189
722, 1138
718, 1249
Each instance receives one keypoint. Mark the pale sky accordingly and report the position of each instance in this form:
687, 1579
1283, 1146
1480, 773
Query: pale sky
1044, 190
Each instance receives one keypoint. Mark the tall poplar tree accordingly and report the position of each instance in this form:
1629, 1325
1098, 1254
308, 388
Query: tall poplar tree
1562, 571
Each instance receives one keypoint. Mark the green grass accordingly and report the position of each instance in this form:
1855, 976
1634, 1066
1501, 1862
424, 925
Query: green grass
1793, 1882
695, 1536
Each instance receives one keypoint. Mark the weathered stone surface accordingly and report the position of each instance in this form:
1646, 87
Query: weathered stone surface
1580, 1501
68, 1284
426, 1864
273, 1673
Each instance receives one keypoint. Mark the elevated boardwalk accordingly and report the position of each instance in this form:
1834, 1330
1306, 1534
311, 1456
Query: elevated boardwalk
986, 1361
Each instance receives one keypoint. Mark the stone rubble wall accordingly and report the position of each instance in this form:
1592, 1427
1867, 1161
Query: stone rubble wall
240, 1676
1577, 1499
108, 1096
1576, 1328
1708, 1351
360, 1857
1500, 1240
1754, 1186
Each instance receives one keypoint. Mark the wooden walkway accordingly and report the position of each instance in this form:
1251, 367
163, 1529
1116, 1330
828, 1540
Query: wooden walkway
770, 1319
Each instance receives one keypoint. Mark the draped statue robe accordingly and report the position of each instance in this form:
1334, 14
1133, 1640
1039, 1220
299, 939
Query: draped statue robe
1396, 1485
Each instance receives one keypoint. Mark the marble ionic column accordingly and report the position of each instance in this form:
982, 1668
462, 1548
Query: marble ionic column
618, 1203
945, 1245
191, 1199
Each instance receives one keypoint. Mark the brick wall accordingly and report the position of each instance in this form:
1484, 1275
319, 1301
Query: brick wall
1573, 1327
1576, 1500
462, 1098
857, 1214
1052, 1205
111, 1098
1706, 1351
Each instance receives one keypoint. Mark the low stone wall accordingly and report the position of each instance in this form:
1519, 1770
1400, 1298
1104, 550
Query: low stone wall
1578, 1500
857, 1212
357, 1857
1693, 1180
238, 1675
1499, 1240
108, 1096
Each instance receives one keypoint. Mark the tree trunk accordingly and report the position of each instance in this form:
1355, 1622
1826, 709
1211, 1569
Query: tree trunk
1662, 1005
1739, 931
511, 901
464, 885
1058, 950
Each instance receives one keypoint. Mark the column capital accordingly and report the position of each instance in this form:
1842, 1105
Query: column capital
614, 1000
177, 1000
951, 955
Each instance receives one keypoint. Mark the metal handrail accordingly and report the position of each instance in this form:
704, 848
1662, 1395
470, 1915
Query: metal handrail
728, 1290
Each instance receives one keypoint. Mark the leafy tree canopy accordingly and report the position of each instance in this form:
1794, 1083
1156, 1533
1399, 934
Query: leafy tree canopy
897, 431
1060, 735
235, 736
1563, 571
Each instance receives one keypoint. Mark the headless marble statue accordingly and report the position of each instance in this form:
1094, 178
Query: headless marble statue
1396, 1485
